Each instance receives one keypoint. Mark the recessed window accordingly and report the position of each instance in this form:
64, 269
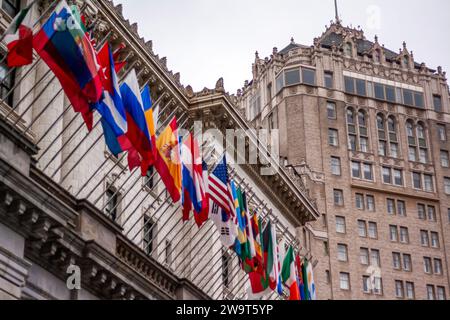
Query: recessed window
333, 138
370, 200
362, 229
431, 293
292, 77
432, 214
407, 263
331, 110
359, 201
7, 78
373, 230
401, 208
338, 197
404, 235
437, 267
349, 85
441, 296
410, 291
148, 235
361, 87
112, 203
309, 76
356, 169
226, 268
442, 132
424, 238
11, 7
447, 185
421, 211
280, 82
387, 175
340, 225
391, 206
399, 290
336, 166
397, 261
393, 231
375, 260
435, 240
342, 253
427, 265
328, 79
344, 281
364, 256
445, 162
437, 103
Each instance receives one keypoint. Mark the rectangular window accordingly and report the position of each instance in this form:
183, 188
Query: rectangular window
364, 256
417, 180
342, 253
421, 212
441, 296
407, 263
424, 238
438, 267
435, 240
368, 171
292, 77
370, 200
226, 268
373, 230
396, 261
390, 94
359, 201
379, 91
387, 175
366, 284
428, 183
361, 87
378, 286
352, 143
430, 292
398, 177
363, 144
331, 110
399, 291
349, 85
447, 185
404, 235
423, 155
148, 235
149, 178
333, 138
328, 76
401, 208
410, 291
338, 197
340, 225
356, 170
280, 82
6, 82
442, 132
412, 155
394, 150
432, 214
336, 166
437, 103
309, 76
391, 206
344, 281
444, 159
393, 231
427, 265
375, 258
418, 99
382, 148
362, 229
408, 97
111, 204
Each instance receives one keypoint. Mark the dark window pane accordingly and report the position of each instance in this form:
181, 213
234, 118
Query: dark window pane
309, 76
390, 94
11, 7
361, 87
418, 98
408, 97
329, 80
379, 91
437, 103
280, 82
292, 77
349, 85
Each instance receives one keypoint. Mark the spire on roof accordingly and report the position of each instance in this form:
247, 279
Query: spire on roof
338, 20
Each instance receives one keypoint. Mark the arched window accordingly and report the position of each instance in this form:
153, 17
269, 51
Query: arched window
417, 141
422, 142
357, 130
363, 132
377, 56
388, 142
382, 137
406, 61
348, 49
393, 137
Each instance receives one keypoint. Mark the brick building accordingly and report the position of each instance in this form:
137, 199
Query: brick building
368, 131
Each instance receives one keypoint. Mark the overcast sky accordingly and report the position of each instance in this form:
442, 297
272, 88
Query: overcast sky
208, 39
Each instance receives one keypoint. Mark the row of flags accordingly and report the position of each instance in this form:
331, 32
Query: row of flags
129, 120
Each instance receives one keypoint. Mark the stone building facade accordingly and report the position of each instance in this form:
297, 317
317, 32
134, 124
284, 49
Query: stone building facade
67, 204
367, 129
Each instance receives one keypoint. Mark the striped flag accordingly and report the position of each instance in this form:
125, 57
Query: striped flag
218, 187
19, 39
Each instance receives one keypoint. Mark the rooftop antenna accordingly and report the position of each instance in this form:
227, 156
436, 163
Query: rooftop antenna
336, 12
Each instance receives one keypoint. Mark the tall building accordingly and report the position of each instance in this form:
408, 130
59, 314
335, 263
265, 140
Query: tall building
368, 131
75, 223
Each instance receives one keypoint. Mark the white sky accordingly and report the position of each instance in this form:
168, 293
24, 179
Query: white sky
208, 39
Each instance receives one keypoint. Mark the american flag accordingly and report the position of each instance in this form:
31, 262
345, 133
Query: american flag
218, 187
